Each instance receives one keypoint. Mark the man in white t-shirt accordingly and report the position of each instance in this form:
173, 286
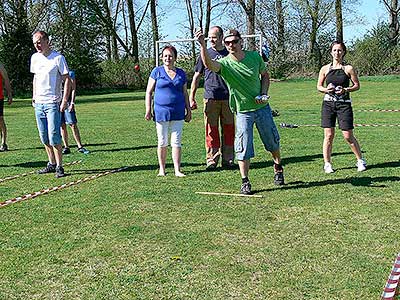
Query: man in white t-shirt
50, 69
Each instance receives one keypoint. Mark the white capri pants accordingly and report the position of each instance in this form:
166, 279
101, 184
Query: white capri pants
175, 127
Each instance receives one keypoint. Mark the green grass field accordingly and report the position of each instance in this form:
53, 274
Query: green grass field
133, 235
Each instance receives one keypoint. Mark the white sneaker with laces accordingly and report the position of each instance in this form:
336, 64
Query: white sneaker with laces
361, 165
328, 168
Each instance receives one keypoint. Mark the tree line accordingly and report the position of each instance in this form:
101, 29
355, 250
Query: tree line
105, 41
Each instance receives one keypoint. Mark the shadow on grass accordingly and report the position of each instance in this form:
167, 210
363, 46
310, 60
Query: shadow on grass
128, 169
293, 160
389, 164
355, 181
29, 164
204, 170
119, 98
122, 97
71, 146
124, 149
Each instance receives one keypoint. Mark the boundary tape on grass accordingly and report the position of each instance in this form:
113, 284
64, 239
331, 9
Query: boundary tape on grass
228, 194
377, 125
391, 289
355, 125
57, 188
34, 172
378, 110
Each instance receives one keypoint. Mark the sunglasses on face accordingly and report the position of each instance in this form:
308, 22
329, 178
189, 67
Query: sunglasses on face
232, 42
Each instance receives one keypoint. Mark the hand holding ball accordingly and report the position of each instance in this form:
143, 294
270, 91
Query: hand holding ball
331, 88
339, 90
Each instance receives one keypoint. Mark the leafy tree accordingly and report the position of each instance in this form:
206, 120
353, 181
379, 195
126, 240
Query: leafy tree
366, 53
339, 20
393, 8
74, 32
16, 44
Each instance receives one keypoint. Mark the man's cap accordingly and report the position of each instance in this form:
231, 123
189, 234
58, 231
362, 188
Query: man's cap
231, 32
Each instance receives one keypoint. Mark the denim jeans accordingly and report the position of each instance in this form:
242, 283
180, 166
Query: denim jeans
69, 117
48, 119
244, 146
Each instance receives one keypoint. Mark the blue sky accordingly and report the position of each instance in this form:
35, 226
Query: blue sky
372, 11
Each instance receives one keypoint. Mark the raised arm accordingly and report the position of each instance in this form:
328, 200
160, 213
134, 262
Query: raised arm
208, 62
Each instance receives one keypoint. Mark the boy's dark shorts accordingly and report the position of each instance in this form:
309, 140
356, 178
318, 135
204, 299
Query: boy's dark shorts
342, 111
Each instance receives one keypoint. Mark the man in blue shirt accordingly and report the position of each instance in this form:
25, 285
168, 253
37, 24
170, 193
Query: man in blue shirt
216, 106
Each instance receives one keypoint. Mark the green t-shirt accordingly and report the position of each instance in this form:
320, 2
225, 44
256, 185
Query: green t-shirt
243, 80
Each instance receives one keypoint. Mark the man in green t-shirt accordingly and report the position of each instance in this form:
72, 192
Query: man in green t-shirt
248, 81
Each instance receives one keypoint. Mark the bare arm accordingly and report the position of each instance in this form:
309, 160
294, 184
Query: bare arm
321, 80
264, 83
73, 95
354, 78
148, 98
67, 91
33, 90
208, 62
193, 89
7, 84
73, 90
188, 115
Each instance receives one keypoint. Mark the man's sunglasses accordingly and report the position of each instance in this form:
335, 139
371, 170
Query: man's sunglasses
232, 42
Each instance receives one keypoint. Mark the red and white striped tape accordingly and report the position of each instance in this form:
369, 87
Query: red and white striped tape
391, 289
378, 110
377, 125
57, 188
34, 172
357, 125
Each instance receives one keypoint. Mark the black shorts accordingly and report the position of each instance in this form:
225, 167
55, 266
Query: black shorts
342, 111
1, 107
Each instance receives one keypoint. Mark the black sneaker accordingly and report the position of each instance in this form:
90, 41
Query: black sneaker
59, 172
83, 150
229, 165
3, 147
49, 169
245, 189
279, 179
66, 150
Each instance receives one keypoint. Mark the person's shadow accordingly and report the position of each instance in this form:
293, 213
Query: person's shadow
373, 182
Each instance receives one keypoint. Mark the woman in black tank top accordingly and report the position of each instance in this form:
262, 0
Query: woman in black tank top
334, 81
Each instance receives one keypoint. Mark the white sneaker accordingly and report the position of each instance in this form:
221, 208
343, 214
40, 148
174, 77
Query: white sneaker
361, 165
328, 168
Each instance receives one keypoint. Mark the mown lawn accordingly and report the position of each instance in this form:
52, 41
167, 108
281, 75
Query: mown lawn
133, 235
